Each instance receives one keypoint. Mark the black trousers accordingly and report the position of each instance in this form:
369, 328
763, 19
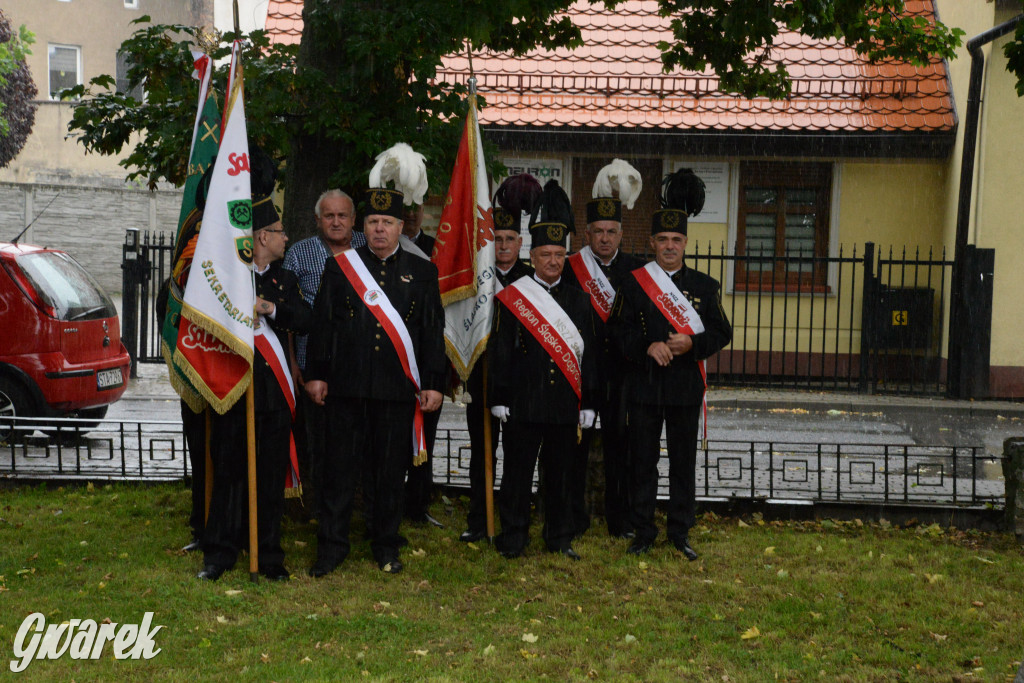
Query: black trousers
194, 426
374, 438
476, 518
645, 422
227, 527
616, 468
523, 443
310, 431
419, 486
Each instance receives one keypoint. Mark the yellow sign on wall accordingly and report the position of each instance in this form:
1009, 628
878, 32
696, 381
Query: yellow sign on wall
900, 318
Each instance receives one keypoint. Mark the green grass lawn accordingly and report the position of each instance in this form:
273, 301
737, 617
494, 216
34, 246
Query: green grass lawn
766, 601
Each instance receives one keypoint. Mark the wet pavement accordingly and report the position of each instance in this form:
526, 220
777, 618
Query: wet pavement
763, 444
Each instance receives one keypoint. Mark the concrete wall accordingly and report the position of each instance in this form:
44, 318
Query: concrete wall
87, 222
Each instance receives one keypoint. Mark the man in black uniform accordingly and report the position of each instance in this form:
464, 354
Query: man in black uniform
665, 383
508, 268
355, 367
280, 305
541, 374
603, 237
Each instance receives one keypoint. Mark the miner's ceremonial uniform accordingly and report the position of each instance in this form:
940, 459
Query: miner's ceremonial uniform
669, 395
608, 401
476, 518
371, 401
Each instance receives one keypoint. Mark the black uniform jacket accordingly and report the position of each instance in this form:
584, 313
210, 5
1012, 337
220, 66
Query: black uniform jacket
611, 368
636, 323
279, 286
351, 351
525, 378
425, 242
475, 382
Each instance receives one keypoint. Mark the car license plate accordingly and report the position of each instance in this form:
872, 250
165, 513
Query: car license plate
109, 379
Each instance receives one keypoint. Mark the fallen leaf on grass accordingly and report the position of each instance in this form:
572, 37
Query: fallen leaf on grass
529, 638
489, 650
419, 552
474, 546
815, 615
222, 619
983, 559
752, 632
300, 544
642, 565
526, 654
782, 573
205, 642
233, 591
264, 657
938, 636
421, 653
770, 550
630, 638
978, 603
741, 523
933, 578
305, 660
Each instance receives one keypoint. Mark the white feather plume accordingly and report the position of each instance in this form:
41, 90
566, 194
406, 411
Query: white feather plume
619, 177
404, 167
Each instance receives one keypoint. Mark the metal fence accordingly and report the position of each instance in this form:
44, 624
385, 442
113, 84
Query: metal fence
726, 470
862, 320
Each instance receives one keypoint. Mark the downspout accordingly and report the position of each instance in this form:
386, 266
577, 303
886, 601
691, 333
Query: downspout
963, 213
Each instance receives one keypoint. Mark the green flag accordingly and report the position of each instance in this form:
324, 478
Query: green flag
205, 143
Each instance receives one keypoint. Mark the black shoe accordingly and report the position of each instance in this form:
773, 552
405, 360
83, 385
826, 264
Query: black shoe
392, 567
211, 572
434, 521
511, 554
638, 547
470, 536
322, 567
402, 541
275, 572
570, 553
624, 535
192, 547
683, 546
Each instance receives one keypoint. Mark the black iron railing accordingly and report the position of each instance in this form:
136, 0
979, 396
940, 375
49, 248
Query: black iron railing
861, 320
963, 476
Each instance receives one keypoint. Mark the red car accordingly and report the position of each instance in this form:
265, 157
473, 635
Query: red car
60, 340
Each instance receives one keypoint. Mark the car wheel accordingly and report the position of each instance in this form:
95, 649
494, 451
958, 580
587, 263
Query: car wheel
14, 402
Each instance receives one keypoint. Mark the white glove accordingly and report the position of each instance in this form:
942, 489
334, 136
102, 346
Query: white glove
587, 418
500, 412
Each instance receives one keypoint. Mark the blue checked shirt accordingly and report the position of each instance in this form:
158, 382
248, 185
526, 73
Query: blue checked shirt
306, 258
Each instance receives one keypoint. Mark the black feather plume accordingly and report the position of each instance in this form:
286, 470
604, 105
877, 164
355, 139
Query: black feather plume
518, 193
683, 190
554, 207
262, 172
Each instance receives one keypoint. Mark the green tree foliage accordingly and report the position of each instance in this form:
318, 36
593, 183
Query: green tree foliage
365, 76
157, 130
17, 90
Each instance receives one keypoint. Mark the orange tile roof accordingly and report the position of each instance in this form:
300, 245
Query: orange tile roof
615, 80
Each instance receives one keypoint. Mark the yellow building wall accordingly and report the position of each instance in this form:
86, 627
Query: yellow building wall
896, 204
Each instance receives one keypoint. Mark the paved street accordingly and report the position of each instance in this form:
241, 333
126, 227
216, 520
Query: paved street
762, 444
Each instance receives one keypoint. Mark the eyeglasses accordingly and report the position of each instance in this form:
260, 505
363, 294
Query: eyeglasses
269, 230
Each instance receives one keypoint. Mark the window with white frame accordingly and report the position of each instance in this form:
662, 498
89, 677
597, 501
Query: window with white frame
131, 4
122, 82
65, 65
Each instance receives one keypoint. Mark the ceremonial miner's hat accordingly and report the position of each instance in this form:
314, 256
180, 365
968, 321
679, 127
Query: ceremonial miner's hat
682, 195
264, 213
551, 219
617, 178
407, 171
516, 194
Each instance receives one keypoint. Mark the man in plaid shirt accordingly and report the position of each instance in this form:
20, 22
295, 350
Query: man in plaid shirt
335, 218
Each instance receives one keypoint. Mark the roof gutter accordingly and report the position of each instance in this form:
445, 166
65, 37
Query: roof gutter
974, 46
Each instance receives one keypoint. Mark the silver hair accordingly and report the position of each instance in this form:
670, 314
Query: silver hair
331, 193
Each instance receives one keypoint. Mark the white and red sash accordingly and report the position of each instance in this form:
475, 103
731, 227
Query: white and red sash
593, 280
382, 309
549, 324
677, 309
269, 346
